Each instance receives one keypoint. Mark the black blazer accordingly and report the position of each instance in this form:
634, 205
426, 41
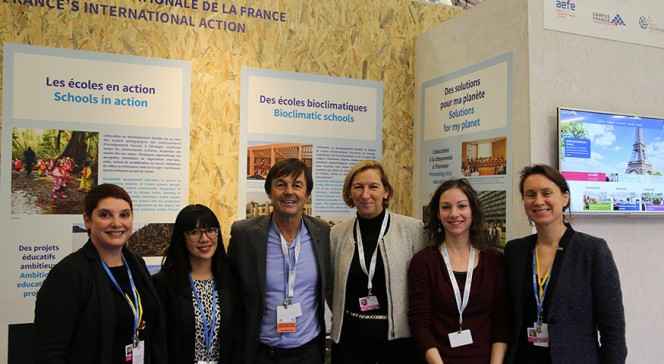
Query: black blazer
180, 324
75, 312
247, 254
587, 299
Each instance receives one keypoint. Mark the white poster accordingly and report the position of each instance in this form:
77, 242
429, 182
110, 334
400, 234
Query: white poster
466, 132
330, 123
102, 118
631, 21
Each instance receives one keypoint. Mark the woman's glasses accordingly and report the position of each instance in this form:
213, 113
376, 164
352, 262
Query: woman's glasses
196, 234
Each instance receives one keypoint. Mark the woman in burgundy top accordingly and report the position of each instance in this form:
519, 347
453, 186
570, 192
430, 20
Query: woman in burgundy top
459, 309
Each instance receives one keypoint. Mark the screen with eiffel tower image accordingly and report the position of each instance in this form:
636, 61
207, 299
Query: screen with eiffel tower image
613, 163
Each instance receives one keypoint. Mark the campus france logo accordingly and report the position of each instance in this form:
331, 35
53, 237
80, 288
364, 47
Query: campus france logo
617, 20
603, 18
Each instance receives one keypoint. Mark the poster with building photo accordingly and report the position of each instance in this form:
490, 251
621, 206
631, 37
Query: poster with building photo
329, 123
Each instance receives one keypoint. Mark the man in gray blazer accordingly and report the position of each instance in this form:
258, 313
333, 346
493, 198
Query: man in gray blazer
283, 263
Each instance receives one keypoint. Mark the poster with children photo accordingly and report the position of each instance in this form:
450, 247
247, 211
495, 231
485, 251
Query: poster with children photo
52, 170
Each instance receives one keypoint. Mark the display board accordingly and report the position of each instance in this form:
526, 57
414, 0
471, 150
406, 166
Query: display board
466, 132
330, 123
613, 162
104, 118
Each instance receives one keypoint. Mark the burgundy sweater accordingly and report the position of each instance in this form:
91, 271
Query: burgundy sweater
433, 312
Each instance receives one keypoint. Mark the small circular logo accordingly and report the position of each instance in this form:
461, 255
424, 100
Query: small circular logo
643, 22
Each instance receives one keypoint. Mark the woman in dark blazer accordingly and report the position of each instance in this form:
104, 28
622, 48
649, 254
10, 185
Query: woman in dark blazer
564, 284
85, 310
195, 278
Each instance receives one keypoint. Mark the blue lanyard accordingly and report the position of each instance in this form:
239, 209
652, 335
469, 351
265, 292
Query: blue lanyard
136, 307
538, 301
207, 331
290, 263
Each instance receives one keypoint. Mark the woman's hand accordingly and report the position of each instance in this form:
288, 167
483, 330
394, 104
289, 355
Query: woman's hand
498, 351
432, 356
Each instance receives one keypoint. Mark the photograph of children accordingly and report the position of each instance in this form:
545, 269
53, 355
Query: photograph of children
52, 170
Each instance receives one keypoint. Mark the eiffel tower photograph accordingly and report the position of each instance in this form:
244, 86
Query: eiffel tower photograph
609, 142
639, 163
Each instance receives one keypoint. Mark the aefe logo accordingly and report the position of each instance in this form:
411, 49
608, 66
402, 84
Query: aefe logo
566, 5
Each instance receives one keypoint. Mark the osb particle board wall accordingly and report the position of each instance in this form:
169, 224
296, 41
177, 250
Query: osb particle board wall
372, 40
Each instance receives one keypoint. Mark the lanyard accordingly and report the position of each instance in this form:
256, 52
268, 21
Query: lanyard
540, 285
291, 263
136, 306
360, 249
461, 303
208, 332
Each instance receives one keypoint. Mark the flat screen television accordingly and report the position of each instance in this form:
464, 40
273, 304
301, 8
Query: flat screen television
613, 163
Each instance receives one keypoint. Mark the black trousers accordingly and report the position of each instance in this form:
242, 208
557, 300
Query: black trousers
400, 351
309, 353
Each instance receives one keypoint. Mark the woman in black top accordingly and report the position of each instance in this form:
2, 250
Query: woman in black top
197, 291
98, 304
370, 256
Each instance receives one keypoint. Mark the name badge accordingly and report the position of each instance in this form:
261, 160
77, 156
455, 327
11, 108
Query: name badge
286, 317
460, 338
538, 335
135, 354
369, 303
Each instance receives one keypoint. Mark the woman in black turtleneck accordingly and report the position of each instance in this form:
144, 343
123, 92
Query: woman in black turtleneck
370, 307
